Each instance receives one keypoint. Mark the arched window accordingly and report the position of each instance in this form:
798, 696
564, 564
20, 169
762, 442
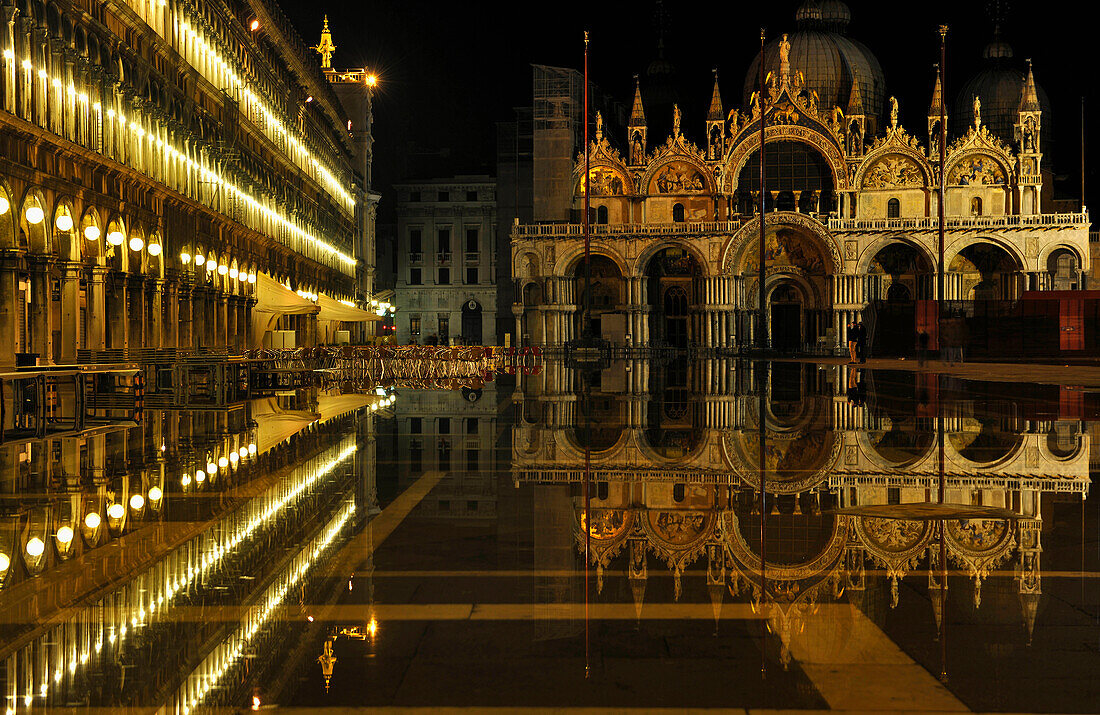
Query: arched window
676, 301
678, 213
601, 214
976, 206
679, 491
893, 208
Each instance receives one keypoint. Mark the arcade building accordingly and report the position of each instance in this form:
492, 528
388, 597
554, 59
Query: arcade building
851, 205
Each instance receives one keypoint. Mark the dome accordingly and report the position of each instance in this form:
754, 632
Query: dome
999, 84
828, 59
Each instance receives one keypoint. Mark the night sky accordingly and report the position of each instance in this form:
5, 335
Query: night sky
450, 70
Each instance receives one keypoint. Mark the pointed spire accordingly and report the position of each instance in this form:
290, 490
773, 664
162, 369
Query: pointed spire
716, 113
717, 593
1029, 99
637, 112
637, 589
1030, 604
937, 97
855, 101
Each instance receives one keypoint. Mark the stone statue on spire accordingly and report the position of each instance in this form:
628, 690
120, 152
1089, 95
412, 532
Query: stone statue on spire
325, 48
675, 120
977, 112
893, 113
784, 58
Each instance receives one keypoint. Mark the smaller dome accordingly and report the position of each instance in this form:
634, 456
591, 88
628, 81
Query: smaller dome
831, 15
997, 50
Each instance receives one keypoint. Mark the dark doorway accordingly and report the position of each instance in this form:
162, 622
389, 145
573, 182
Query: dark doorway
786, 327
471, 322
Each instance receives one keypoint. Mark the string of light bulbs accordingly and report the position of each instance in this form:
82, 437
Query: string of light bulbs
272, 125
34, 214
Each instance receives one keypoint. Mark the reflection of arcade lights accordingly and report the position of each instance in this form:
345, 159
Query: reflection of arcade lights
262, 612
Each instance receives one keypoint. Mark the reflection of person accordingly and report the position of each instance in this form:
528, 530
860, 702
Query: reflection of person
857, 390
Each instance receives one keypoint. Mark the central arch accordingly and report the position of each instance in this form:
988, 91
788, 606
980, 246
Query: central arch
671, 276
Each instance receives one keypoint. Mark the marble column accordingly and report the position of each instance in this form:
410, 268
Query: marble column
41, 330
118, 326
70, 312
9, 309
156, 315
136, 289
96, 299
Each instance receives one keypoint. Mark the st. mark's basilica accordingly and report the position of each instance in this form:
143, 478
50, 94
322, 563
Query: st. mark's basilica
851, 199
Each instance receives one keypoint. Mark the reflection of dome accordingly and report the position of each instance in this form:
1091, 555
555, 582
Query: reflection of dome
827, 58
1000, 84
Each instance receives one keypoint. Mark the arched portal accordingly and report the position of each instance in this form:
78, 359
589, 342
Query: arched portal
671, 276
1062, 267
471, 322
985, 271
797, 267
899, 275
607, 298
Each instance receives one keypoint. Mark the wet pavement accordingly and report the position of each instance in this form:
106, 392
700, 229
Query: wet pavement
690, 533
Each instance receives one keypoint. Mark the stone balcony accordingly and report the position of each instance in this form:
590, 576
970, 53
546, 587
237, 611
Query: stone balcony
687, 228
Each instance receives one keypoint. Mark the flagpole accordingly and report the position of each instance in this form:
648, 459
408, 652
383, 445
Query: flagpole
943, 185
587, 316
762, 327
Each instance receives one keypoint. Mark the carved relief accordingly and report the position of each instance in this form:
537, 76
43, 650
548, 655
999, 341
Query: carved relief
605, 182
977, 170
678, 178
893, 171
893, 535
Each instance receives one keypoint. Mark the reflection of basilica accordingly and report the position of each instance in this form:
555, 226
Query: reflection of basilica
679, 480
851, 206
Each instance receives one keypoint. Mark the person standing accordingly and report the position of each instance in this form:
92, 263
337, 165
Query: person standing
852, 336
861, 341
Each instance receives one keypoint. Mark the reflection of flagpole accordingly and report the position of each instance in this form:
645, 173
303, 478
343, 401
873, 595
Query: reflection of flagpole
762, 328
763, 386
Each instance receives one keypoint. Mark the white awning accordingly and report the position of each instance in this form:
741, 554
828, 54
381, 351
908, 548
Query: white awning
332, 309
274, 297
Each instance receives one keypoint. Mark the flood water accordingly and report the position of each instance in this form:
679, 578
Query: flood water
686, 534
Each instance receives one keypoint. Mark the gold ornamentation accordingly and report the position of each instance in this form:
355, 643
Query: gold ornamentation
605, 182
977, 170
893, 535
679, 178
893, 171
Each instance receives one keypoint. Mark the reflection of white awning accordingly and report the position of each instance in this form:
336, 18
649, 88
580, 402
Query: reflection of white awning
333, 406
332, 309
273, 424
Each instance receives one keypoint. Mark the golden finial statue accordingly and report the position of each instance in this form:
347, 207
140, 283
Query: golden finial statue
326, 48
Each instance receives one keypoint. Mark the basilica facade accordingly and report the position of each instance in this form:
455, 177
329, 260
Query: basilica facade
851, 206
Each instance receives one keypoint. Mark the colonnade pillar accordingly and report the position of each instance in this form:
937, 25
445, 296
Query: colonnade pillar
70, 312
9, 311
184, 317
159, 339
40, 329
138, 329
96, 296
